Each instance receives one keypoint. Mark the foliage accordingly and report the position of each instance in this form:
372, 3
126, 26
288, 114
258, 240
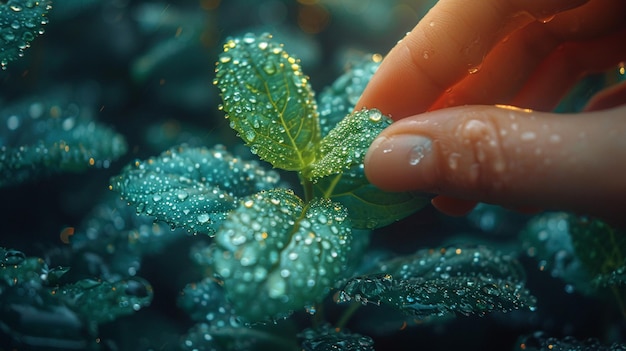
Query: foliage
251, 260
29, 288
585, 252
20, 22
39, 137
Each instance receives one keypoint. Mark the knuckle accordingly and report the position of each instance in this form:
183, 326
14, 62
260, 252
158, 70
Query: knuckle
485, 163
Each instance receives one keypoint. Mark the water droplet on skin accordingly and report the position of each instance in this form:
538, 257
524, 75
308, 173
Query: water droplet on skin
527, 136
473, 69
453, 160
426, 55
555, 138
419, 152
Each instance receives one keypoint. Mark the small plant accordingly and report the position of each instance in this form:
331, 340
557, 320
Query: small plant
276, 250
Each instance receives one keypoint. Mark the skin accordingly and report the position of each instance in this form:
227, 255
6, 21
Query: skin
451, 85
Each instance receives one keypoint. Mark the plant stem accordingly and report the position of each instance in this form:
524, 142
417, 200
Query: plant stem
307, 185
347, 314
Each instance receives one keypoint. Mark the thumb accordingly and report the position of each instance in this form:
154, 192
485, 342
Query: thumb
508, 156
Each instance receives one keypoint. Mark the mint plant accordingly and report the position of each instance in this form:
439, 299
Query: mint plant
276, 250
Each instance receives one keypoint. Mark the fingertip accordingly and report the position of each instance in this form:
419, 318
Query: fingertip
453, 206
399, 162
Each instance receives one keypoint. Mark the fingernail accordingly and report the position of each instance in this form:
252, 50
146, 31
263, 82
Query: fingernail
407, 148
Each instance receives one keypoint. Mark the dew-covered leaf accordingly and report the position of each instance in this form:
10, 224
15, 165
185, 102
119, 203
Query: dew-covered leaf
600, 247
443, 283
546, 238
347, 143
113, 238
39, 137
101, 301
194, 188
328, 338
219, 328
369, 207
20, 22
277, 254
339, 174
269, 101
35, 304
338, 100
540, 341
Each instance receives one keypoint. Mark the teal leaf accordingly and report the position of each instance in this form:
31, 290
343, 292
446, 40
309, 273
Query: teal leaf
113, 238
328, 338
269, 101
20, 22
101, 301
541, 341
338, 100
443, 283
40, 137
546, 238
219, 328
277, 254
369, 207
193, 188
28, 281
347, 143
339, 175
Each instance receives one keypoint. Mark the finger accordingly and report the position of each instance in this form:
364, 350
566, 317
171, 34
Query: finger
534, 52
504, 71
507, 156
451, 40
453, 206
566, 66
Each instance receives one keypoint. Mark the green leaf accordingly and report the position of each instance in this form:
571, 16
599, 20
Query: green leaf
442, 283
540, 341
338, 100
369, 207
546, 238
20, 22
269, 101
347, 143
599, 246
328, 338
101, 301
219, 327
40, 137
339, 174
194, 188
277, 254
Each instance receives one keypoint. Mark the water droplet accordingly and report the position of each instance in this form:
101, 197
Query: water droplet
225, 58
453, 160
473, 69
527, 136
375, 116
249, 135
156, 197
269, 68
419, 152
14, 257
555, 138
249, 38
203, 218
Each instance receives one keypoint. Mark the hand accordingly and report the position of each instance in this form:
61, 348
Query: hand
484, 59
